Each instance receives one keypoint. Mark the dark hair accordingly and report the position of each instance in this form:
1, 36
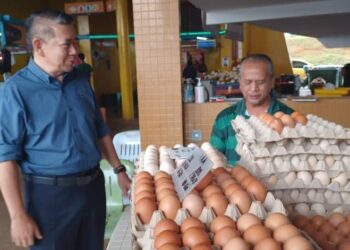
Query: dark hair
81, 56
39, 24
258, 58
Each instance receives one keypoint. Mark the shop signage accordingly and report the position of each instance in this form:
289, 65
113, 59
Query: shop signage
110, 5
195, 166
84, 8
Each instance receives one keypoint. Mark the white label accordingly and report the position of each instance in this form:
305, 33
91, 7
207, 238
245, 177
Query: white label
191, 172
182, 153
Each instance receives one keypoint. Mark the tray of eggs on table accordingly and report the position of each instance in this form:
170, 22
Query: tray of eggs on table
228, 209
305, 162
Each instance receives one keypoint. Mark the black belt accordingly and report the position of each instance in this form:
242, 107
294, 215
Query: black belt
63, 180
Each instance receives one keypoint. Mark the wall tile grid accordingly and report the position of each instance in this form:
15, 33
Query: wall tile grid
157, 44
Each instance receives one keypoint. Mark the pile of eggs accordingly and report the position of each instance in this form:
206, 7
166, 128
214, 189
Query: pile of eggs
279, 120
329, 233
247, 232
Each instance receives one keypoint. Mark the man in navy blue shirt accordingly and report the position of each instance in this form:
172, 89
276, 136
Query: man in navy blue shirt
51, 129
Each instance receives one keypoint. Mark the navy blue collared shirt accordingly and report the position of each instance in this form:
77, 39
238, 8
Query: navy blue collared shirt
48, 127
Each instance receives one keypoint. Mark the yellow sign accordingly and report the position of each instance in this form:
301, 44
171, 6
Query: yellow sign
84, 8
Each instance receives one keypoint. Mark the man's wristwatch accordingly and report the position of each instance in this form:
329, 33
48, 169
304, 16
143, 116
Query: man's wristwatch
119, 169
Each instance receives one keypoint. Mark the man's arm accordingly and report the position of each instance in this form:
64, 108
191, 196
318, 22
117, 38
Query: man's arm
111, 156
23, 227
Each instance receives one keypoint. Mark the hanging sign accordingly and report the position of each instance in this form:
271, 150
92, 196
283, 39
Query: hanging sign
110, 5
84, 7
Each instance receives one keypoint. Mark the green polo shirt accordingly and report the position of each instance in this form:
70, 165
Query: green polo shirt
223, 137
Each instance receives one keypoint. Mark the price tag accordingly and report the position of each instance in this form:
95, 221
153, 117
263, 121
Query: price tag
191, 172
182, 153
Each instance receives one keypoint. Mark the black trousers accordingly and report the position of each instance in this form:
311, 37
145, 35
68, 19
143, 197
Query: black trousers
69, 217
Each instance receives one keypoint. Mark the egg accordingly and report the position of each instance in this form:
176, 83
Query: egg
275, 220
290, 178
205, 181
272, 181
305, 176
169, 206
345, 245
239, 173
161, 174
300, 221
322, 176
247, 220
191, 222
194, 204
242, 200
219, 170
285, 232
336, 218
342, 179
222, 177
277, 125
278, 114
300, 119
202, 247
169, 246
221, 222
258, 190
211, 189
224, 235
312, 160
297, 243
144, 208
231, 189
167, 237
256, 233
195, 236
236, 243
247, 180
144, 194
144, 187
165, 225
143, 174
287, 121
317, 220
218, 203
165, 193
326, 227
335, 237
344, 228
269, 244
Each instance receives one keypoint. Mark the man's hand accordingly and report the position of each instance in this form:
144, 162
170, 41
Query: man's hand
124, 182
24, 231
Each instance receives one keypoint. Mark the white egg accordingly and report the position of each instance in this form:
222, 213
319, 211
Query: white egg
302, 208
167, 167
295, 161
346, 160
322, 176
328, 194
342, 179
272, 181
290, 178
311, 194
294, 194
312, 160
339, 129
320, 130
305, 176
261, 162
345, 197
318, 208
324, 144
178, 146
192, 145
278, 194
278, 161
206, 145
329, 160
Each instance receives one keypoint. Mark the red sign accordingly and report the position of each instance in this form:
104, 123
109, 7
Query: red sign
84, 8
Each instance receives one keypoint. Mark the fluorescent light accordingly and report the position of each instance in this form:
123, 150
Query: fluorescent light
201, 38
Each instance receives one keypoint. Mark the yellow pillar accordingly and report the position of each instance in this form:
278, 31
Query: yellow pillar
121, 13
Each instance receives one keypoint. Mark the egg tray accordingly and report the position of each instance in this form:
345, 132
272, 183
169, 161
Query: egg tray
311, 209
281, 184
253, 130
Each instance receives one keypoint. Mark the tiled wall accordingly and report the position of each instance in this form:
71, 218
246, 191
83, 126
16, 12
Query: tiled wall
157, 44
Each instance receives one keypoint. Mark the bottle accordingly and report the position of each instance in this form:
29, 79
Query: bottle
188, 91
199, 91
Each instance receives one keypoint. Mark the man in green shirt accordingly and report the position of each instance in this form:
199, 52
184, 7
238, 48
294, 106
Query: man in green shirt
256, 82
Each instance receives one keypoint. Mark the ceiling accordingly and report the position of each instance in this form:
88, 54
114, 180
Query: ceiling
323, 19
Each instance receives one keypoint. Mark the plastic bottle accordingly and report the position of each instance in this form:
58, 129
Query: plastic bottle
199, 91
188, 91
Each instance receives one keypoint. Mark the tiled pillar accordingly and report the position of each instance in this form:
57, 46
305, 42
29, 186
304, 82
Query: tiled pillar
157, 44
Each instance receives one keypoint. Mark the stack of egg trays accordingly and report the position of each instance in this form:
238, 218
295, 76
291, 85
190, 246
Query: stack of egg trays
320, 145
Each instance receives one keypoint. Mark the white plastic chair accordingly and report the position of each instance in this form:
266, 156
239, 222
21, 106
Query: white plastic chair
127, 144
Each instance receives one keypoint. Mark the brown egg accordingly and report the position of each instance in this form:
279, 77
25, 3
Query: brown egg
299, 118
348, 217
326, 245
345, 245
300, 221
144, 180
202, 247
317, 220
221, 222
161, 174
285, 232
336, 218
287, 120
191, 222
169, 206
297, 243
256, 233
195, 236
227, 183
222, 177
167, 237
326, 227
247, 220
309, 229
239, 173
294, 114
144, 194
144, 187
318, 236
211, 189
268, 244
218, 203
162, 180
242, 200
165, 225
275, 220
344, 228
165, 193
144, 208
268, 118
194, 204
335, 237
169, 247
231, 189
164, 186
224, 235
278, 114
258, 190
219, 170
143, 174
276, 125
208, 179
236, 243
247, 180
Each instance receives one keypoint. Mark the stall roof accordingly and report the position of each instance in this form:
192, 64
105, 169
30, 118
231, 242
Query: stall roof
324, 19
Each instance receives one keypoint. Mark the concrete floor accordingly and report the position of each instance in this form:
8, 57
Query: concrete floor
116, 124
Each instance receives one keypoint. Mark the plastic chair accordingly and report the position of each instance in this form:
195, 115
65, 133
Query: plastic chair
127, 145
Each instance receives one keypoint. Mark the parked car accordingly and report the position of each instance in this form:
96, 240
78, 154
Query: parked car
298, 66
